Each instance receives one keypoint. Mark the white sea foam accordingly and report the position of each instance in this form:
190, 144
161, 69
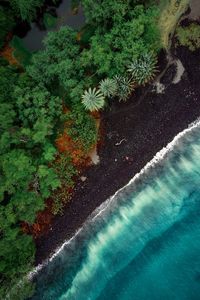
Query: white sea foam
104, 206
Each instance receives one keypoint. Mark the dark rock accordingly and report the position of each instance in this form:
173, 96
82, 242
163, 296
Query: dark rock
152, 121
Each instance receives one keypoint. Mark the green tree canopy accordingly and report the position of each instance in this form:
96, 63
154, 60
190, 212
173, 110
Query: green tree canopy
26, 9
106, 11
56, 65
36, 104
127, 39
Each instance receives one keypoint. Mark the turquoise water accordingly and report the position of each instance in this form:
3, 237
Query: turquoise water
145, 241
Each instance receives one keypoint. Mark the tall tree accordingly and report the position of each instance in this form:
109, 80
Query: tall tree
57, 65
127, 39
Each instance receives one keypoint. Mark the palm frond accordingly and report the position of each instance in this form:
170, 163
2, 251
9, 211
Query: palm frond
93, 99
144, 68
108, 87
125, 87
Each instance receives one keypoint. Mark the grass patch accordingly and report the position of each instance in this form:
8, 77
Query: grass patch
49, 21
21, 54
171, 11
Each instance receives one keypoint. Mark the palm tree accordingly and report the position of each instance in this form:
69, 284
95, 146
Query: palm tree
93, 99
143, 69
108, 87
125, 87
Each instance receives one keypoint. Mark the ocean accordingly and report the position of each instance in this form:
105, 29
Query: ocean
141, 244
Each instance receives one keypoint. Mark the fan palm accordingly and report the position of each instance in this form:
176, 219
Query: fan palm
93, 99
125, 87
108, 87
144, 68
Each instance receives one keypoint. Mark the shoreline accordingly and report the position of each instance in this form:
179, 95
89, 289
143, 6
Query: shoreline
145, 126
158, 158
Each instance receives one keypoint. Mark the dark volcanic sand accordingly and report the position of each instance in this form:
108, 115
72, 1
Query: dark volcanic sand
147, 127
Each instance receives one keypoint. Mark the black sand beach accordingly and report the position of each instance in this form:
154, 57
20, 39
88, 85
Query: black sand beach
143, 126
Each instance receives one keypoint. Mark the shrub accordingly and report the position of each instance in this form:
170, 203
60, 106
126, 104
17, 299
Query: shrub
82, 127
66, 171
49, 21
189, 36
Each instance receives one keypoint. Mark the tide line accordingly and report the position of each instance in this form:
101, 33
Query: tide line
99, 210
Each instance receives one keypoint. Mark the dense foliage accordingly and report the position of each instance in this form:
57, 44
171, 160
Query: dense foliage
50, 96
121, 40
26, 179
81, 127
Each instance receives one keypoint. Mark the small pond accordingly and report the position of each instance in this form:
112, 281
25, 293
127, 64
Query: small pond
65, 16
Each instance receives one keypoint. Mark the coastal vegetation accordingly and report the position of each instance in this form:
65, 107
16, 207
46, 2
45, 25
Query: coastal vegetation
171, 11
47, 101
189, 36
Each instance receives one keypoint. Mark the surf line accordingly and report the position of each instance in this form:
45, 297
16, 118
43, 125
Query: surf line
159, 156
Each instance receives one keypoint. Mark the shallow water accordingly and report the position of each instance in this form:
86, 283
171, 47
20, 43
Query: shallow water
145, 244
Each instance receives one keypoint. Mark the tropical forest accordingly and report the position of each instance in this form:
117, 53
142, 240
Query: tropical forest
90, 91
